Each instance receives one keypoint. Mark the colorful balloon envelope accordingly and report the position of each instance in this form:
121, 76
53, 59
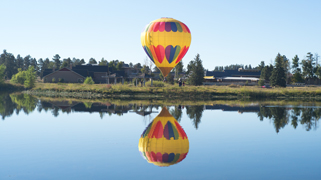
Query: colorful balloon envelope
166, 42
164, 142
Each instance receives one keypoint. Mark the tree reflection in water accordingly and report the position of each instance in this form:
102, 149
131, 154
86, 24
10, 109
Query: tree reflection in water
308, 117
177, 113
281, 116
195, 114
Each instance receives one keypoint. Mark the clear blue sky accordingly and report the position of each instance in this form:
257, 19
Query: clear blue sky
223, 32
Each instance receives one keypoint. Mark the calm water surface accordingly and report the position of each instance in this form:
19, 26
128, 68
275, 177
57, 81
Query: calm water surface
55, 139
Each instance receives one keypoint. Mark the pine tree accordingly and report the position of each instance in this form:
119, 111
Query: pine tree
266, 73
278, 74
261, 65
26, 62
40, 67
197, 71
120, 64
92, 61
57, 61
9, 61
66, 63
308, 66
295, 64
19, 62
297, 76
103, 62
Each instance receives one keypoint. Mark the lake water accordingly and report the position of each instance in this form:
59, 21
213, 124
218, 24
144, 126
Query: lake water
56, 139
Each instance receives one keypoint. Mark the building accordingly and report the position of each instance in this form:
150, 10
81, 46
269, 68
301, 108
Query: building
226, 77
77, 74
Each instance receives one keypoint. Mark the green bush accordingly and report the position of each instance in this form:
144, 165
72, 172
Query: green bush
155, 84
2, 73
89, 80
170, 79
261, 82
19, 78
30, 77
27, 78
53, 80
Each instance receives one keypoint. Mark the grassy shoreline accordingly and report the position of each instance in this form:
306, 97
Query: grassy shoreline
175, 102
128, 91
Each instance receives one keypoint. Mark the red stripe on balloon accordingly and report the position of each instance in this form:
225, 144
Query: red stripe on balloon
162, 26
160, 53
187, 28
183, 27
158, 131
151, 27
181, 157
159, 157
156, 27
181, 130
152, 50
149, 156
182, 54
153, 157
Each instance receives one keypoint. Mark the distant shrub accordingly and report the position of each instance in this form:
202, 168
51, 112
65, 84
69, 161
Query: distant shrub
232, 85
89, 80
19, 78
53, 80
155, 84
108, 86
134, 81
27, 78
170, 79
2, 73
61, 80
261, 82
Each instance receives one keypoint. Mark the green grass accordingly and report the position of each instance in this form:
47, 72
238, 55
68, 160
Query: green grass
186, 92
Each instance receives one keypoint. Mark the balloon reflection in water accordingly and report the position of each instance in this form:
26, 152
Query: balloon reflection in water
164, 142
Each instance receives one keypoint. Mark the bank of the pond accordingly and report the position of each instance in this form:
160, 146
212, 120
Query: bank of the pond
175, 102
171, 91
11, 87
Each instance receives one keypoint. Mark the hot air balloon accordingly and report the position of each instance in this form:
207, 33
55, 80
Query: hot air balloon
166, 42
164, 142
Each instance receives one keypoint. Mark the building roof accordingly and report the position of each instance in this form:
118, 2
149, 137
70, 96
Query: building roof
46, 72
83, 73
86, 70
50, 71
93, 68
234, 73
241, 78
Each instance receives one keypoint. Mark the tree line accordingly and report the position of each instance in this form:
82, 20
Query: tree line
234, 67
25, 70
12, 64
284, 71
